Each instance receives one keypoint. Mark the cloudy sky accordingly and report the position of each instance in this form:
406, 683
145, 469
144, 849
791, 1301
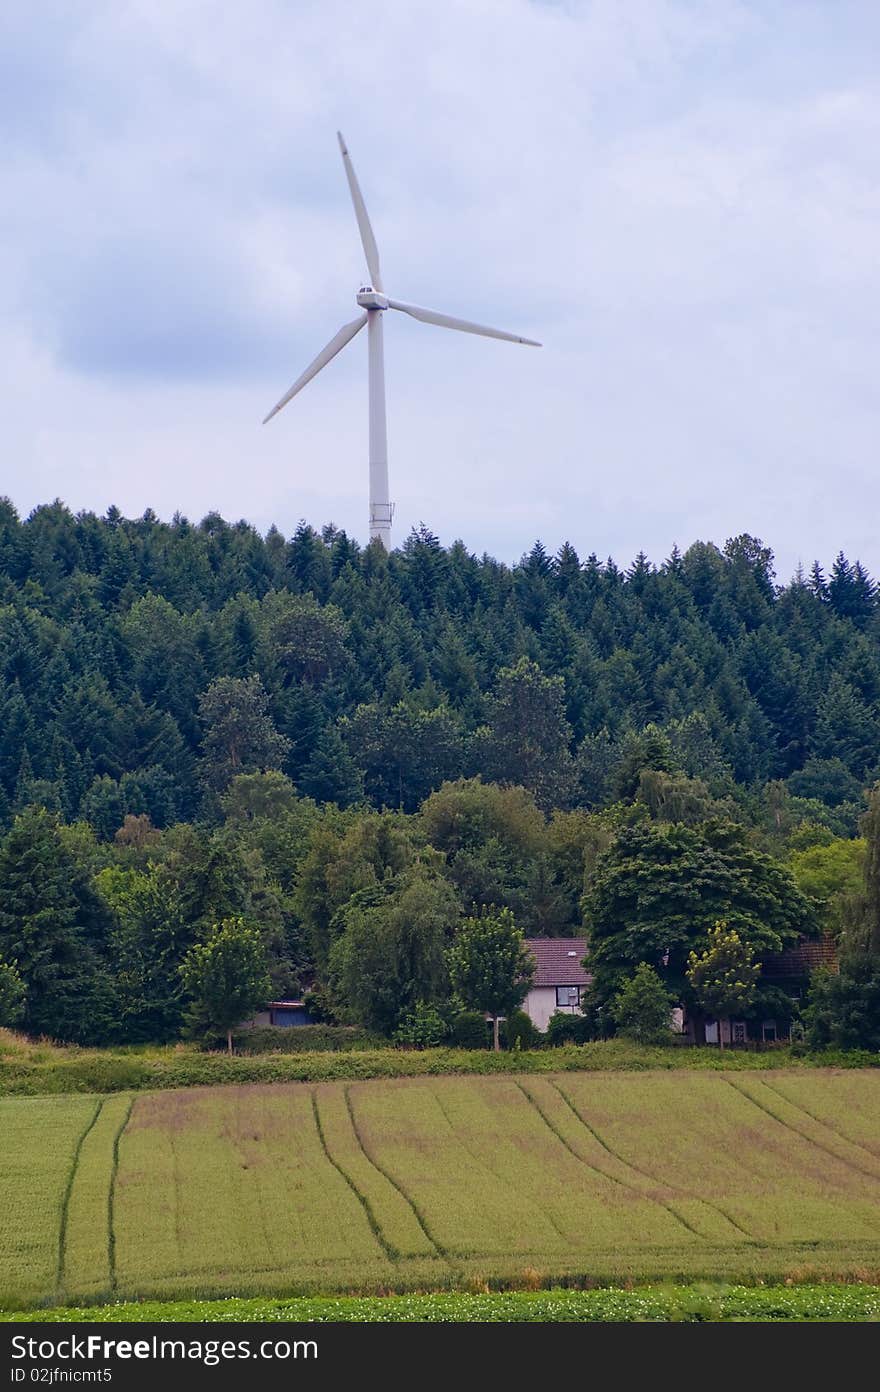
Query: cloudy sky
680, 198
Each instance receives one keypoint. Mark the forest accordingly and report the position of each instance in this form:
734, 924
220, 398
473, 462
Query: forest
350, 753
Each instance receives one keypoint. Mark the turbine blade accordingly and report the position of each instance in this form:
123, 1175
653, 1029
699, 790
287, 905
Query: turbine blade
430, 316
345, 335
371, 251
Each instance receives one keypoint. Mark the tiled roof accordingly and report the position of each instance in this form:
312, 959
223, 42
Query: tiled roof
801, 959
559, 961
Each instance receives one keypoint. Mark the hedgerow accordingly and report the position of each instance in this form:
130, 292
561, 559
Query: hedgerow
63, 1070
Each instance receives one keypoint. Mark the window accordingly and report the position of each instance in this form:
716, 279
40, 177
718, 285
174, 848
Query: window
568, 997
768, 1030
739, 1032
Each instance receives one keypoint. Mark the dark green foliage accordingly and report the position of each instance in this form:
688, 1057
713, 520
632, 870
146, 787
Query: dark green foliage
330, 774
53, 926
12, 994
658, 890
388, 961
240, 735
146, 667
527, 738
518, 1032
871, 833
112, 629
843, 1010
149, 938
650, 750
405, 753
469, 1030
642, 1007
566, 1028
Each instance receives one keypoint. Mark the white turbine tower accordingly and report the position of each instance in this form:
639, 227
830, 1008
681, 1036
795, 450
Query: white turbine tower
373, 301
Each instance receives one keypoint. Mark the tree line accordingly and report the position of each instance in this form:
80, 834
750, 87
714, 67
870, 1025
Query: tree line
327, 745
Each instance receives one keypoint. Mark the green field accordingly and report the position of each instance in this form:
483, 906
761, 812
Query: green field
440, 1182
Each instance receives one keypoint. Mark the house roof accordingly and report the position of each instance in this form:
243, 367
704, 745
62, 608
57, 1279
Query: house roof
801, 959
559, 961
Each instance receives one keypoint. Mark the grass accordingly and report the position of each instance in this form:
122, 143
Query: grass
34, 1068
42, 1140
84, 1251
658, 1303
433, 1183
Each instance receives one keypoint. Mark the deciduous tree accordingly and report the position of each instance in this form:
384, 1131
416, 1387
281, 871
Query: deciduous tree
227, 978
642, 1008
724, 976
490, 966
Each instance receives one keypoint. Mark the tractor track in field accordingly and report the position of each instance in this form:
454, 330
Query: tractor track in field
804, 1135
826, 1125
594, 1169
606, 1174
653, 1179
388, 1248
175, 1175
485, 1165
395, 1184
111, 1196
68, 1190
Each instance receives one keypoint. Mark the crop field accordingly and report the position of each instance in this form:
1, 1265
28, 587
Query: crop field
439, 1183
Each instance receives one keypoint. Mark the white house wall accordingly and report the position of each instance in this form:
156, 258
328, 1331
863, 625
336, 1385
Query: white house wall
540, 1004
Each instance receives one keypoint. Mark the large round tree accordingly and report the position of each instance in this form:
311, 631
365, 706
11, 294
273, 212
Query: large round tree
660, 889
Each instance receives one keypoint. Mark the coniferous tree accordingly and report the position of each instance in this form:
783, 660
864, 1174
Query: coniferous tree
13, 995
54, 927
331, 774
527, 737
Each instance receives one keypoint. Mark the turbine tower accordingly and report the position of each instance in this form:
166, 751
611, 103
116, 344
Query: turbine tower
373, 302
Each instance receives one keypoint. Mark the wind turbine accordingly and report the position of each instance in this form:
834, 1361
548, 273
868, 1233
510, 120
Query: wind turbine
373, 302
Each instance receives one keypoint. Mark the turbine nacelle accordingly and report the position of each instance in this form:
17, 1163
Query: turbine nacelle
368, 298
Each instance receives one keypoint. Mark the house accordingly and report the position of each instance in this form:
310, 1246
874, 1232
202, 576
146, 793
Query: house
789, 972
559, 980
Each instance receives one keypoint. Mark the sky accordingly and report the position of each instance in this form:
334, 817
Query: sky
679, 198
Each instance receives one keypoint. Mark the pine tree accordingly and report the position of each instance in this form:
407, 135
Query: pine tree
870, 827
528, 735
331, 774
53, 926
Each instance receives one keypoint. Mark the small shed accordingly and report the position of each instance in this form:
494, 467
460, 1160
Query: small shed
289, 1012
560, 978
